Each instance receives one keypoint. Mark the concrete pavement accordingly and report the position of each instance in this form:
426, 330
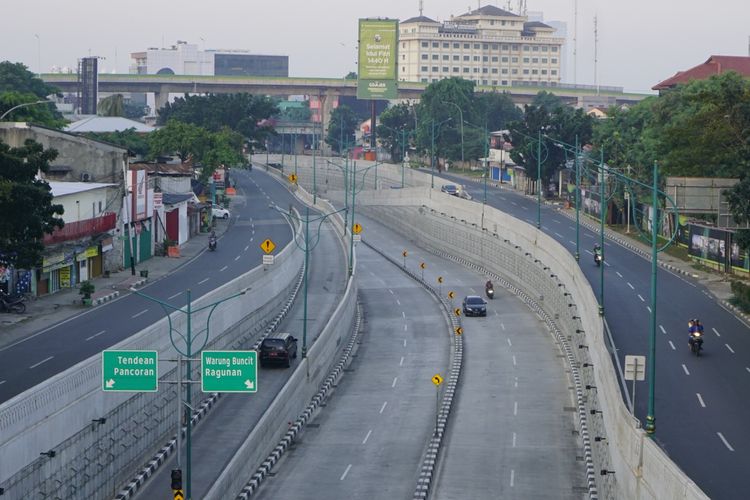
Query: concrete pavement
49, 310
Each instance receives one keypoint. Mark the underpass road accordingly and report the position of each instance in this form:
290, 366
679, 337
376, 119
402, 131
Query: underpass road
701, 406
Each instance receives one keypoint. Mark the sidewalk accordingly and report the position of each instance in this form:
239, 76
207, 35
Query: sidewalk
55, 308
718, 284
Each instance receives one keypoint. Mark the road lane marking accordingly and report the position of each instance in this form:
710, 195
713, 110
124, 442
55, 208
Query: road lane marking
663, 330
203, 281
404, 342
173, 296
515, 382
515, 408
395, 379
473, 291
572, 227
343, 476
514, 360
403, 314
2, 382
509, 343
95, 335
618, 274
607, 264
406, 327
401, 363
558, 235
716, 332
730, 348
556, 221
382, 408
237, 258
589, 252
631, 286
398, 302
512, 477
672, 346
223, 268
571, 242
364, 441
42, 361
245, 250
390, 291
514, 203
502, 325
139, 314
723, 439
514, 440
700, 399
685, 368
649, 308
747, 368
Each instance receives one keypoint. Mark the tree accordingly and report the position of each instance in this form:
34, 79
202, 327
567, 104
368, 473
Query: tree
113, 105
25, 204
341, 128
19, 86
495, 110
738, 198
15, 77
438, 112
243, 113
396, 124
352, 75
133, 141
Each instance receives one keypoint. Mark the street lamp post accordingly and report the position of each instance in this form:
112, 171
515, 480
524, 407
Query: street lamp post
539, 180
432, 153
188, 352
404, 135
461, 115
309, 246
354, 193
21, 106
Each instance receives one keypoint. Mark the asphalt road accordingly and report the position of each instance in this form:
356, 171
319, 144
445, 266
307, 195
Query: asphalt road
219, 435
36, 358
368, 441
701, 404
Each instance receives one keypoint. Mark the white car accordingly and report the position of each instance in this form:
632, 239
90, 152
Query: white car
219, 213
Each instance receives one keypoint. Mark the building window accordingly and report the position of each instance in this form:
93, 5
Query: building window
525, 48
476, 45
424, 68
515, 46
446, 57
403, 69
554, 49
435, 45
534, 72
545, 48
526, 60
425, 45
494, 46
446, 45
423, 80
494, 70
445, 69
535, 60
467, 45
553, 60
403, 57
505, 46
485, 46
504, 71
514, 60
403, 45
514, 71
435, 69
456, 45
425, 57
466, 58
484, 82
476, 58
504, 82
455, 69
434, 80
435, 57
544, 71
535, 48
476, 70
494, 82
494, 59
456, 58
466, 70
554, 71
484, 70
526, 72
504, 59
485, 58
544, 60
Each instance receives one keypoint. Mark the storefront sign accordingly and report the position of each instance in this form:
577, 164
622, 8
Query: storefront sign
65, 277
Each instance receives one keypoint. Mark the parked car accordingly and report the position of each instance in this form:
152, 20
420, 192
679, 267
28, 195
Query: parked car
219, 213
450, 189
474, 305
280, 348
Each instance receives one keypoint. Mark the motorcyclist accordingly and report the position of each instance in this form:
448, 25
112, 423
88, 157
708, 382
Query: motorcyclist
212, 240
488, 285
694, 327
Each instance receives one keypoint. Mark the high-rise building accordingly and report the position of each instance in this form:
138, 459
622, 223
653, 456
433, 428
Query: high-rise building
489, 45
187, 59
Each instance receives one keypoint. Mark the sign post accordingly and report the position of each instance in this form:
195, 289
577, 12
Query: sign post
130, 371
635, 369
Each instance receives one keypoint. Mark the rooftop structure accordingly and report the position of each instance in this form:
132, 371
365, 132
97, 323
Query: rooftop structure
715, 65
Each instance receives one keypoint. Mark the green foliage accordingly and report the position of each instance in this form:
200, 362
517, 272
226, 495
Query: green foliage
352, 75
243, 113
396, 127
738, 198
113, 105
741, 293
15, 77
296, 114
19, 86
341, 127
86, 289
25, 204
134, 141
549, 121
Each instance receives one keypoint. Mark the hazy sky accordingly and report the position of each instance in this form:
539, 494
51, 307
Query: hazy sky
641, 42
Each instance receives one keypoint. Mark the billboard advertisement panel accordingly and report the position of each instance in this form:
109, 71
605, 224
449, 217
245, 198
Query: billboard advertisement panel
140, 192
378, 51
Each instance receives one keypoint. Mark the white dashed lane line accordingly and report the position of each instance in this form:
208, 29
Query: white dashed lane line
558, 235
631, 286
512, 477
618, 274
700, 399
173, 296
403, 314
716, 332
42, 361
686, 370
364, 441
395, 379
662, 330
237, 258
640, 297
649, 308
672, 346
223, 268
515, 408
203, 281
95, 335
2, 382
509, 343
514, 440
401, 363
730, 348
139, 314
343, 476
723, 440
398, 302
246, 248
382, 408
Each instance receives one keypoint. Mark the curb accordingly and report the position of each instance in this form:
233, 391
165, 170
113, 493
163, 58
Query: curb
105, 298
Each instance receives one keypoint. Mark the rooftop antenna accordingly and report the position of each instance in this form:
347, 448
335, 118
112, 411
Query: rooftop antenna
575, 42
596, 54
421, 7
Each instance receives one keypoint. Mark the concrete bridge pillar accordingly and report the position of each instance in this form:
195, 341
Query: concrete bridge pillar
327, 101
161, 98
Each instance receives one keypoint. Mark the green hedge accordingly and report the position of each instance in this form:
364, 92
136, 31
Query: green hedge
741, 297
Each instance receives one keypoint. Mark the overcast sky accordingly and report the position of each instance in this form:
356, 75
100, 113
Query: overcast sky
641, 42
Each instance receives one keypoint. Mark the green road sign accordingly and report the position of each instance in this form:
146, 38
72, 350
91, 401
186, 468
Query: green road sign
130, 371
229, 371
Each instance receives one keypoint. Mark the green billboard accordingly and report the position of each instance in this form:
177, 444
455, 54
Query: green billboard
378, 56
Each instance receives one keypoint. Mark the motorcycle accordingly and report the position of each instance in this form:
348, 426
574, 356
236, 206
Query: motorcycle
490, 291
12, 304
212, 243
598, 259
696, 343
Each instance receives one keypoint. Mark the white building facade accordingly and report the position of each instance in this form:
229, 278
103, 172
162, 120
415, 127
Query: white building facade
489, 46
